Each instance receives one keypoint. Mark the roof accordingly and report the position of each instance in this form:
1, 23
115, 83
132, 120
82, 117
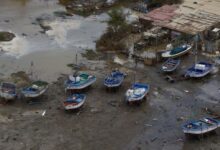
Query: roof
189, 18
164, 13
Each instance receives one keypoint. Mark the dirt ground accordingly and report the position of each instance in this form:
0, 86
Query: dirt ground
106, 122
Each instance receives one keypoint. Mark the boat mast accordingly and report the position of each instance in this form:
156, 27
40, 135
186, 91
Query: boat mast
196, 48
31, 70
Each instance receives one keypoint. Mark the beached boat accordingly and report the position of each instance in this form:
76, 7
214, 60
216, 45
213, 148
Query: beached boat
170, 65
35, 90
197, 127
114, 79
199, 70
80, 81
176, 52
74, 101
8, 91
137, 92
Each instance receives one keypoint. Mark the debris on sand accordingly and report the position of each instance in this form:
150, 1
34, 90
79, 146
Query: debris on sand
43, 113
210, 111
180, 118
94, 110
148, 125
114, 103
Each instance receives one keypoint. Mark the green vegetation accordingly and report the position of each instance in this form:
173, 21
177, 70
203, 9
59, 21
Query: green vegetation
117, 30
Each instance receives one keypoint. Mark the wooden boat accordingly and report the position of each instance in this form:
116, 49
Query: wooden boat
197, 127
35, 90
114, 79
199, 70
176, 52
8, 91
137, 92
170, 65
74, 101
80, 81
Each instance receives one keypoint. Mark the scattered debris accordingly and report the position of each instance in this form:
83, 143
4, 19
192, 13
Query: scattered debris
148, 125
154, 139
180, 118
44, 112
155, 119
186, 91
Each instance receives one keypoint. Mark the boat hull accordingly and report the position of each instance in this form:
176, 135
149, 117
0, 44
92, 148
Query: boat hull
80, 87
168, 54
75, 101
34, 95
201, 126
114, 79
8, 91
170, 65
7, 96
132, 98
73, 107
193, 73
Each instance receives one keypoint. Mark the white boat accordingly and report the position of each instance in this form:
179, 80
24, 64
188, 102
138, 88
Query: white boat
8, 91
36, 89
202, 126
176, 52
137, 92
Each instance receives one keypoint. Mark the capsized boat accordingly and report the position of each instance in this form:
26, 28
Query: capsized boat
74, 101
197, 127
8, 91
176, 52
114, 79
36, 89
199, 70
80, 81
137, 92
170, 65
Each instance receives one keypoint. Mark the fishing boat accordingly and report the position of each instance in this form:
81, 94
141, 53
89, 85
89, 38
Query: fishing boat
74, 101
176, 52
114, 79
170, 65
197, 127
80, 81
137, 92
199, 70
8, 91
36, 89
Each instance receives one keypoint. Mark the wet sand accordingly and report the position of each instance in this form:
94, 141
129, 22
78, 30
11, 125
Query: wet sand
106, 122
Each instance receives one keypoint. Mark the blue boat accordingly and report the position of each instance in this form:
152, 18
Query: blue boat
170, 65
176, 52
36, 89
8, 91
202, 126
74, 101
80, 81
199, 70
137, 92
114, 79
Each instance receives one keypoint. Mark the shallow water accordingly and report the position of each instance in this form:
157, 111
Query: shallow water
49, 51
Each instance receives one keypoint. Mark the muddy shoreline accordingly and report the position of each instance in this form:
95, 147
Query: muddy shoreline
106, 121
